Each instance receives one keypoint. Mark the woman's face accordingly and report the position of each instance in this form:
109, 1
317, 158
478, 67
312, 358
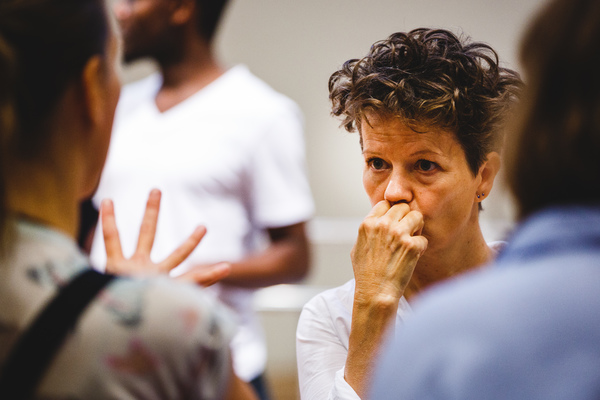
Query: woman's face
427, 170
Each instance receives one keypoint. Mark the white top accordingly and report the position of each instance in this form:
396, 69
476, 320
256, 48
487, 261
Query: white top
322, 341
230, 157
151, 338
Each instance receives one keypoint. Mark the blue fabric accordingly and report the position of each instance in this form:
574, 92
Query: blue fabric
260, 386
528, 328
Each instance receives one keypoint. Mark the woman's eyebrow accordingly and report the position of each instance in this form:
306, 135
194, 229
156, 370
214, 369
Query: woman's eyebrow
428, 151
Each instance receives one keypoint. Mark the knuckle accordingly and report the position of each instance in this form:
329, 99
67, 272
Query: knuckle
382, 225
411, 244
371, 224
415, 217
399, 231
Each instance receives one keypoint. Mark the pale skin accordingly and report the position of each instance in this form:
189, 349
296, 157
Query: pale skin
188, 65
49, 188
140, 262
423, 227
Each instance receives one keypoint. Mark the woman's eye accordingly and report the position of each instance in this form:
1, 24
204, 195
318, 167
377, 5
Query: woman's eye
376, 163
425, 165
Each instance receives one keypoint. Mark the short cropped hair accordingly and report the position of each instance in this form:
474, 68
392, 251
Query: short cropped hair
554, 156
429, 77
210, 13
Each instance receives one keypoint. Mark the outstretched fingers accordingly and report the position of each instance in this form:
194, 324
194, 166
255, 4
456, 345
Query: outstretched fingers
183, 251
112, 242
149, 221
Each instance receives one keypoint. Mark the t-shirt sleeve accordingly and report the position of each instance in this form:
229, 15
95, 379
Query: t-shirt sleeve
279, 190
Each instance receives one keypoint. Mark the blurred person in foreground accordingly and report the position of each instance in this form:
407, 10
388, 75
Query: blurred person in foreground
225, 149
128, 338
428, 106
528, 327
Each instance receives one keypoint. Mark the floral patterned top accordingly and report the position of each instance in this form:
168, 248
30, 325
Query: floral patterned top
150, 338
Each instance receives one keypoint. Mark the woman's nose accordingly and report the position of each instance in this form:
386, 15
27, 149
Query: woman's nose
398, 190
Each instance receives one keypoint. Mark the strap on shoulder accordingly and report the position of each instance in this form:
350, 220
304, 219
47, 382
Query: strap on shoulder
37, 346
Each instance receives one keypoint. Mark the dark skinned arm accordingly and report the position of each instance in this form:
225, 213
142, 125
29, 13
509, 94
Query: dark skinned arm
286, 260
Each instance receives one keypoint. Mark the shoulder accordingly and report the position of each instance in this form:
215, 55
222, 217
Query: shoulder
255, 95
496, 326
497, 246
173, 335
333, 301
329, 311
195, 318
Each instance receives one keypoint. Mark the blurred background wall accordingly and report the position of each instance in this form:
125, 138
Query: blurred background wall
295, 46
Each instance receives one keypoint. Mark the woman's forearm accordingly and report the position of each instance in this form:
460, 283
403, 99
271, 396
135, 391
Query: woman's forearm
370, 322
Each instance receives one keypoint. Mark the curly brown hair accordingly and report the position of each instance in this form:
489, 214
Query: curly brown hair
429, 77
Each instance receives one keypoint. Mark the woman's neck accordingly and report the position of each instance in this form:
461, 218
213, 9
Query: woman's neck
42, 195
436, 266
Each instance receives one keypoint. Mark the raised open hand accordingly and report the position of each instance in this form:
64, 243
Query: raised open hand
140, 262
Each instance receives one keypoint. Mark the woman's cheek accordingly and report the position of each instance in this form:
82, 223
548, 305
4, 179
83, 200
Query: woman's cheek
368, 183
371, 187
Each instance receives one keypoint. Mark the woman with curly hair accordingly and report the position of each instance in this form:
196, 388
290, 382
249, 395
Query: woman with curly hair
428, 108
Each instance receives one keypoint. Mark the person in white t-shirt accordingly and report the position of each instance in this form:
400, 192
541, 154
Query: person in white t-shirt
427, 105
227, 152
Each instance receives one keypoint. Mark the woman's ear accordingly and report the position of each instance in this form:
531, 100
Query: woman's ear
487, 173
93, 92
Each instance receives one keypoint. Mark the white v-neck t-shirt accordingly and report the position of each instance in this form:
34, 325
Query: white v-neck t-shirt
232, 158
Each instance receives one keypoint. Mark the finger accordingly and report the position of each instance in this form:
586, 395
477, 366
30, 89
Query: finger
112, 242
412, 248
183, 251
398, 211
422, 244
412, 222
149, 221
207, 275
414, 243
379, 209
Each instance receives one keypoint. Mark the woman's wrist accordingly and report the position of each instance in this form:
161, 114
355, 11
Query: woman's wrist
371, 315
380, 297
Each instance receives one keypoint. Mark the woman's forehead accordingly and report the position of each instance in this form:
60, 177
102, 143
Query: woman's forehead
395, 136
396, 130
